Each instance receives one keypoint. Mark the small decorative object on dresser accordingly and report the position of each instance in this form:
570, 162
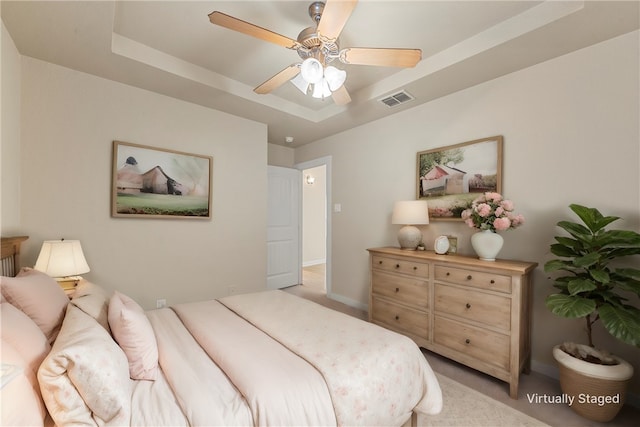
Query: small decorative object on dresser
490, 213
410, 213
473, 312
441, 245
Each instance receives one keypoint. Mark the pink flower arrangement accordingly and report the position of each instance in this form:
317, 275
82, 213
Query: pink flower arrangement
491, 212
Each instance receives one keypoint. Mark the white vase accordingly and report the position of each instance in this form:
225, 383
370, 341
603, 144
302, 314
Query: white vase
487, 244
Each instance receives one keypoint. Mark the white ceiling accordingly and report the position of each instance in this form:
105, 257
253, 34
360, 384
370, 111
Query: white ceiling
170, 47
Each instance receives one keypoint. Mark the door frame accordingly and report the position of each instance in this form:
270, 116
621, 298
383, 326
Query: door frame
322, 161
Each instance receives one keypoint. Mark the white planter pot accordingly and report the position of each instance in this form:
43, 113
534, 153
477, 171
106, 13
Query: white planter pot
596, 392
487, 244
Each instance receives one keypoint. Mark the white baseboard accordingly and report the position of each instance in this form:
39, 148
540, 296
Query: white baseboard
632, 399
348, 301
314, 262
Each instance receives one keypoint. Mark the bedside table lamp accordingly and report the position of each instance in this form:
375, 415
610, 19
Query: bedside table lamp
63, 260
410, 213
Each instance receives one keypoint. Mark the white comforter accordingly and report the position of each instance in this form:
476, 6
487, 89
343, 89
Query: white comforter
282, 360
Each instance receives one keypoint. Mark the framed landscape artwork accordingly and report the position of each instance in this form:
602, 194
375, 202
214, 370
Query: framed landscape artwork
152, 182
449, 178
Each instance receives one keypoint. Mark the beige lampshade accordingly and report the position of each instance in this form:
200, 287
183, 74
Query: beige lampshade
410, 212
62, 258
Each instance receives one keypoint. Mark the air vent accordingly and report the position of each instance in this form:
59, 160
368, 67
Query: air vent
396, 99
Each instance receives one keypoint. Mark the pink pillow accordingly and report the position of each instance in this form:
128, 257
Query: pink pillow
93, 300
23, 335
39, 297
133, 332
21, 401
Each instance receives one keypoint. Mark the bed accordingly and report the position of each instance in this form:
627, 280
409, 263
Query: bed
264, 358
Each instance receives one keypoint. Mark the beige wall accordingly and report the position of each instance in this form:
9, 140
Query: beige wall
10, 134
571, 132
277, 155
69, 120
314, 216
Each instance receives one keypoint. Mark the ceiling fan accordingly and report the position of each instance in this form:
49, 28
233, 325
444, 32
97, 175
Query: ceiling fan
318, 46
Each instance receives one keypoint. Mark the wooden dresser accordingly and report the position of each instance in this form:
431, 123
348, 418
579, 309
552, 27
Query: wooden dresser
475, 312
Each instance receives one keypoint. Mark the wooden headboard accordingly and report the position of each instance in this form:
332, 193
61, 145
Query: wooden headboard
10, 256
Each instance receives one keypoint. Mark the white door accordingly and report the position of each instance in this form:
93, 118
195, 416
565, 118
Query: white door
283, 227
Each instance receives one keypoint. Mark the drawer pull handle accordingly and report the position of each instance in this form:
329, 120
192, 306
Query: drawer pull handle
397, 289
380, 262
448, 274
397, 265
467, 341
397, 317
469, 277
492, 281
415, 268
468, 305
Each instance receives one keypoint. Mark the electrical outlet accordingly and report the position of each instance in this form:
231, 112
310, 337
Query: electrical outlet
231, 290
161, 303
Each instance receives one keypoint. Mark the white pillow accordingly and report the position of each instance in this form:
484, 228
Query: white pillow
133, 332
85, 378
39, 297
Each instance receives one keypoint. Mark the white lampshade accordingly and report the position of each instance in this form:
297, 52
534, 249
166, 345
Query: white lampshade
311, 70
62, 258
321, 89
334, 77
299, 82
409, 213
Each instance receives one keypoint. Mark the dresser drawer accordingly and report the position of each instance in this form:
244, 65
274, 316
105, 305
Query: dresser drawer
492, 281
487, 346
407, 290
400, 266
471, 305
399, 318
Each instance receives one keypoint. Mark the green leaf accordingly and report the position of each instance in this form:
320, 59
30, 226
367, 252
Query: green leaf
578, 231
570, 306
622, 323
592, 217
631, 273
587, 260
563, 251
600, 275
581, 285
555, 265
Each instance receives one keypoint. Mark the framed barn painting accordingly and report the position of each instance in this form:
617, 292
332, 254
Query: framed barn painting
152, 182
449, 178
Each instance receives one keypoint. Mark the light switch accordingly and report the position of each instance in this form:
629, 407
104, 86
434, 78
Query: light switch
337, 207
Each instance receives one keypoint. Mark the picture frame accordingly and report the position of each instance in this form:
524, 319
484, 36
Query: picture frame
150, 182
451, 177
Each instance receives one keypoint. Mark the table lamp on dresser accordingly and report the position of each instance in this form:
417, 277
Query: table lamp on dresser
410, 213
64, 261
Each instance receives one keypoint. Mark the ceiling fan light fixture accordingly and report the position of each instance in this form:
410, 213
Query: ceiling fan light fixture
321, 89
311, 70
334, 77
299, 82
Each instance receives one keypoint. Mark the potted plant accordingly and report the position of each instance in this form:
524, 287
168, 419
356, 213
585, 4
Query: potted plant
591, 288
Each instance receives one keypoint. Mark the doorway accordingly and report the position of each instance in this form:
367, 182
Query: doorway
316, 225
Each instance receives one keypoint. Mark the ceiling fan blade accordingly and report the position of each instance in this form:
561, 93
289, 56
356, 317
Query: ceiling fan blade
381, 56
235, 24
341, 96
278, 80
334, 17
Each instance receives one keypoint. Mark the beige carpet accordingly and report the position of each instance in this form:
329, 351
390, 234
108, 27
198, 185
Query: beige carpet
465, 407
